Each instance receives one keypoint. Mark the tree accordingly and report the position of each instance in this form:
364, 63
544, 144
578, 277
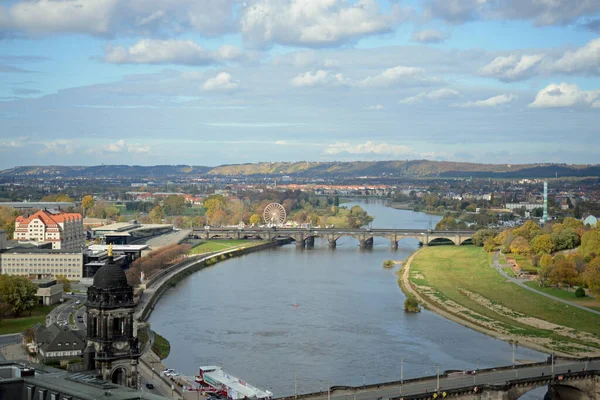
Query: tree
157, 214
528, 230
482, 235
388, 264
62, 197
174, 205
565, 238
591, 275
4, 309
18, 292
520, 245
489, 245
590, 244
542, 244
580, 292
87, 202
7, 220
255, 219
545, 261
563, 272
411, 304
65, 282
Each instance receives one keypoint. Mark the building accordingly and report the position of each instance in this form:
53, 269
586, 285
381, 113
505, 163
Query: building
21, 382
38, 205
590, 220
57, 343
42, 263
128, 232
112, 347
64, 230
526, 206
49, 291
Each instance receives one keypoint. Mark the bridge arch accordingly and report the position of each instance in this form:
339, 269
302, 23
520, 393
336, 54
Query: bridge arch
441, 240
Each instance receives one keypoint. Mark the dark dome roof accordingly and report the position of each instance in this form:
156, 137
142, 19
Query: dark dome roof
110, 276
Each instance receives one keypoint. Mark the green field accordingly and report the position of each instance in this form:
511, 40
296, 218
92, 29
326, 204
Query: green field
586, 301
18, 325
161, 346
509, 271
449, 269
524, 263
224, 244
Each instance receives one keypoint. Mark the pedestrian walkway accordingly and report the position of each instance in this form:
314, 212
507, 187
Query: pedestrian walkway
521, 283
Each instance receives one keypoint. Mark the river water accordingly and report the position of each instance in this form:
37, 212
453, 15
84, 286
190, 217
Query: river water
322, 316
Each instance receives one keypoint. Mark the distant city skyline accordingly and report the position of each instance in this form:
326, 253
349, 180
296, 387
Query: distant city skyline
211, 82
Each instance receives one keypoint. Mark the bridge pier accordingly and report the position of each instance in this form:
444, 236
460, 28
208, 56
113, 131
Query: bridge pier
300, 243
394, 244
309, 242
332, 243
366, 243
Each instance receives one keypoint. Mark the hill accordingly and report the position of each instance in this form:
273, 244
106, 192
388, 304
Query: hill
408, 169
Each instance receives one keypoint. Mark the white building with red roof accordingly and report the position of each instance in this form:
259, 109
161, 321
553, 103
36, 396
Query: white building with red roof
64, 230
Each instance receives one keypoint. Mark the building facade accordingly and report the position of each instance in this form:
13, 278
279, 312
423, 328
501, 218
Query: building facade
42, 263
112, 346
63, 230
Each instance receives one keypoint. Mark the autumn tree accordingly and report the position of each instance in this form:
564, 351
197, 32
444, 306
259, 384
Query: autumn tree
591, 275
590, 244
18, 292
482, 235
7, 220
565, 239
255, 219
563, 272
542, 244
157, 214
528, 230
520, 245
174, 204
87, 202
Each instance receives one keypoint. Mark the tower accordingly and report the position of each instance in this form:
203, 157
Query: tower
545, 216
112, 347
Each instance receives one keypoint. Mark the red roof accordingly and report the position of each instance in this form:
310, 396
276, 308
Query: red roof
48, 218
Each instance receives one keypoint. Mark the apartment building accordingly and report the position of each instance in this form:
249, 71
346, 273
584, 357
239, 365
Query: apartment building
64, 230
42, 263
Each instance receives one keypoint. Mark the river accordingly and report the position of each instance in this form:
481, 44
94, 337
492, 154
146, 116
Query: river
322, 316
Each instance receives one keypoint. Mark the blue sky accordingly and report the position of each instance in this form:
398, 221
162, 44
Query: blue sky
209, 82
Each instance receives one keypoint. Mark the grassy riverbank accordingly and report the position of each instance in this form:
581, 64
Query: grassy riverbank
459, 281
18, 325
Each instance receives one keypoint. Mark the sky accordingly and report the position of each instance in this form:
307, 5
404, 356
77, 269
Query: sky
211, 82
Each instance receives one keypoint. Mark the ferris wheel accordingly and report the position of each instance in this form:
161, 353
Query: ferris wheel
274, 214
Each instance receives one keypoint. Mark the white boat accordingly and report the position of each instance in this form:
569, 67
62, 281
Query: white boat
215, 380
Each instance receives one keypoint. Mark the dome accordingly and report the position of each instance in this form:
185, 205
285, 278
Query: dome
110, 276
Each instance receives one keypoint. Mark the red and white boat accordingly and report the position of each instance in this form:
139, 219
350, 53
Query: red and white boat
214, 380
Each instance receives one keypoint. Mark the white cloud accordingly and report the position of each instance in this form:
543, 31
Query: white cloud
376, 107
391, 76
492, 101
221, 82
434, 95
186, 52
58, 147
368, 148
319, 78
317, 23
565, 95
116, 147
120, 147
117, 17
429, 36
541, 12
513, 67
585, 60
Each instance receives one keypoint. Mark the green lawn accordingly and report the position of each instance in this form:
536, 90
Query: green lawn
524, 263
586, 301
509, 271
18, 325
161, 346
447, 269
224, 244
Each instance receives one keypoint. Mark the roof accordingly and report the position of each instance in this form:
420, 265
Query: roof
217, 374
54, 337
48, 218
35, 250
118, 247
118, 227
110, 276
37, 204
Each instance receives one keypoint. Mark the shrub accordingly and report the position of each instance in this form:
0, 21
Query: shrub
388, 264
411, 305
579, 292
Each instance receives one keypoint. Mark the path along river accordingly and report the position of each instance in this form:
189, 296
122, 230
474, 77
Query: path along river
349, 325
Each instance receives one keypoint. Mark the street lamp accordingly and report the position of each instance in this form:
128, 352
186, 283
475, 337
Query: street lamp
401, 374
437, 369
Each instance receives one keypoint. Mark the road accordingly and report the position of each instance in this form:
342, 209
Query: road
460, 380
61, 313
521, 283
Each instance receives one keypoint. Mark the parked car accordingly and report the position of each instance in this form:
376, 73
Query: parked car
168, 371
149, 385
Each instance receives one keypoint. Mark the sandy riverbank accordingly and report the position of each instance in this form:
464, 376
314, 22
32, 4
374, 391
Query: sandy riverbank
429, 302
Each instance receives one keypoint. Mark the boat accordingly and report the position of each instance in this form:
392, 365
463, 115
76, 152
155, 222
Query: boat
213, 379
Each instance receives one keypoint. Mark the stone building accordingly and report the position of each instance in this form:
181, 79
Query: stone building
64, 230
112, 347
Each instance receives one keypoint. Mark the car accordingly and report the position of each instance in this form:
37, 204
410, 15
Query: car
77, 302
149, 385
168, 371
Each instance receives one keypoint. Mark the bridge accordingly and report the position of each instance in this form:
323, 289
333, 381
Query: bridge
305, 237
566, 379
